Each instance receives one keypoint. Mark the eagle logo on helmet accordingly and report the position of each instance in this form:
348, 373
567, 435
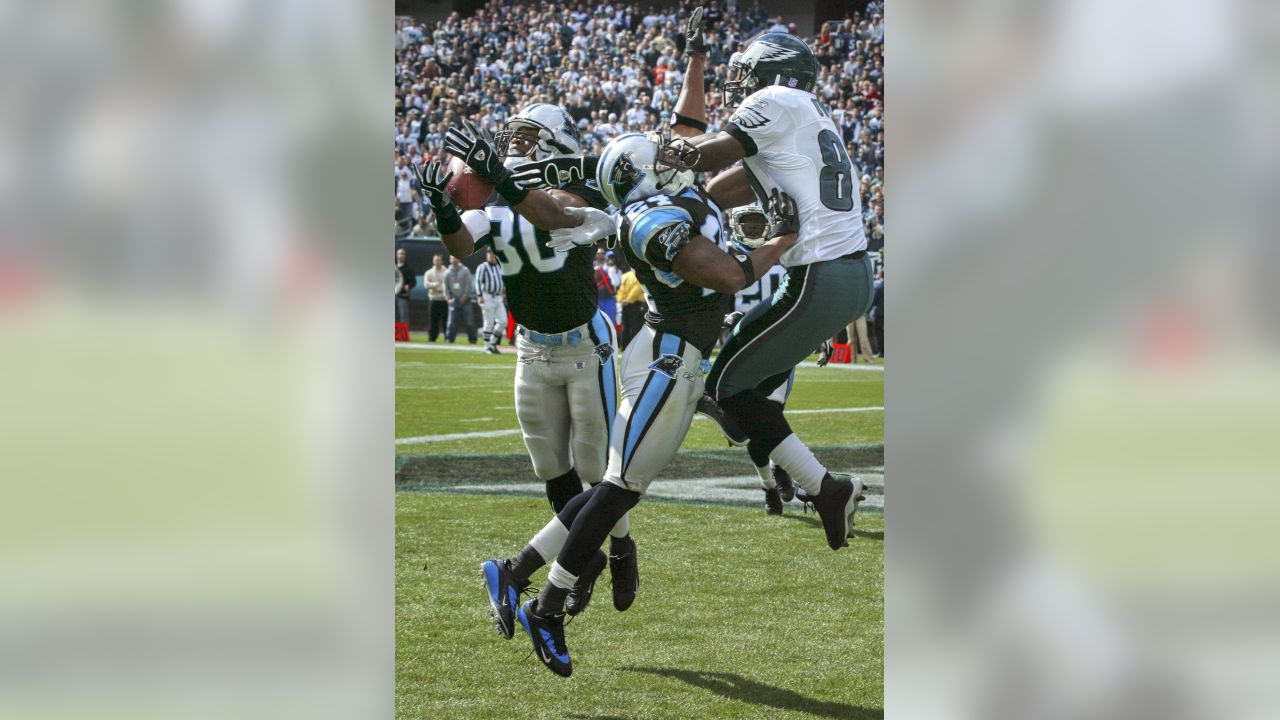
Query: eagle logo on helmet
773, 53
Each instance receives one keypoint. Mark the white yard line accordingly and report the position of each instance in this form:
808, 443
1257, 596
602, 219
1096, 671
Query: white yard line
454, 436
508, 350
835, 410
843, 366
465, 347
816, 411
742, 489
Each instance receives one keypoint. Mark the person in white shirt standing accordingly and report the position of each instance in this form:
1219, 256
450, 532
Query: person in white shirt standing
492, 293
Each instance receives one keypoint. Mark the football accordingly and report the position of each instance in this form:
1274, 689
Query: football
468, 190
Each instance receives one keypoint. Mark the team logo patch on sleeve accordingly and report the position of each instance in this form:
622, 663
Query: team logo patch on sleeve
750, 118
673, 237
668, 365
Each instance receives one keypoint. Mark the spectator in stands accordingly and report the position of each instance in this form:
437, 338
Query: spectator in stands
438, 312
605, 285
408, 281
875, 317
616, 67
425, 227
630, 297
461, 294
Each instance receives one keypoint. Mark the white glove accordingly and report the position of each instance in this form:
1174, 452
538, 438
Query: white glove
596, 225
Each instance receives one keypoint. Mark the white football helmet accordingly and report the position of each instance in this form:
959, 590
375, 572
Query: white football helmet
631, 169
749, 225
538, 132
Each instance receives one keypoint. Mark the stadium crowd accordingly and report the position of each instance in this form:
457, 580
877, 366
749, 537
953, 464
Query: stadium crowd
615, 67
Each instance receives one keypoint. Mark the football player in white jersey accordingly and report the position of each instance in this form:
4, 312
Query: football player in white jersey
566, 373
785, 137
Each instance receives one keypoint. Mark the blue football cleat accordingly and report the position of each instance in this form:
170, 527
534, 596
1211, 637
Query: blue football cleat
504, 594
547, 633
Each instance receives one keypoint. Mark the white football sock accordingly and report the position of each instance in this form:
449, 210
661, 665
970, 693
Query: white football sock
550, 539
560, 577
798, 460
622, 528
766, 477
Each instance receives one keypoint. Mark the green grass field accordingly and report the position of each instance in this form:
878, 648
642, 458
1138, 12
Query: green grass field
740, 615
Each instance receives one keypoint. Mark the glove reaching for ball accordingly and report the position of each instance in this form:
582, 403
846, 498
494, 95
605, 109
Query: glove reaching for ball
476, 150
433, 179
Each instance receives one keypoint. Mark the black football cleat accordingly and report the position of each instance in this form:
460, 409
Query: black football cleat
504, 594
836, 504
786, 488
734, 434
580, 593
772, 501
624, 572
547, 634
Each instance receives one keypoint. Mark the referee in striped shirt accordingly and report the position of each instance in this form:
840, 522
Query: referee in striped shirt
492, 293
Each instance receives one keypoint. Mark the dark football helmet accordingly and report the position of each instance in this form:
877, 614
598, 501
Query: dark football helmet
773, 58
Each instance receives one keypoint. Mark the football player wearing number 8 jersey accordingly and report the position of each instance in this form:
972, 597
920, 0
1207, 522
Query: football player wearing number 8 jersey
566, 374
785, 137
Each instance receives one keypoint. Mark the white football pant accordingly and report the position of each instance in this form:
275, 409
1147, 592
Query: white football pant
566, 399
662, 380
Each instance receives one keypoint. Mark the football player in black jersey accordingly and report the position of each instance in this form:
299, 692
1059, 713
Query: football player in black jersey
671, 234
566, 377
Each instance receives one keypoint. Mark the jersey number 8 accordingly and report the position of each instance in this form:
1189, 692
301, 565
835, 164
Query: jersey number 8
835, 181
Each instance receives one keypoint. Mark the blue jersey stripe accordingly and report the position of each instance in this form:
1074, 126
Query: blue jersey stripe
608, 380
649, 404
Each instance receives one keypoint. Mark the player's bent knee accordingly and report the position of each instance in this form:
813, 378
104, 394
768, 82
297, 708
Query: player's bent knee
759, 418
617, 496
621, 483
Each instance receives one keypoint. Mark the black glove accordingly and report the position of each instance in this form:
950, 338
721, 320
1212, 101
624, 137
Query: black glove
784, 217
433, 180
476, 151
824, 353
555, 172
732, 318
694, 39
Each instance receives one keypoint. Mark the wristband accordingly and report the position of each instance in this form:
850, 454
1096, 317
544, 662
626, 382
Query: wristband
448, 221
688, 121
511, 192
748, 269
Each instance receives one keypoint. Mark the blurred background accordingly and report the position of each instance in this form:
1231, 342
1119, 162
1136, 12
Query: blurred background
1086, 390
195, 389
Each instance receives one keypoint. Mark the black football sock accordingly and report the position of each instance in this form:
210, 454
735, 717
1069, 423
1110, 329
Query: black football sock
759, 455
552, 598
608, 503
562, 489
526, 562
761, 419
